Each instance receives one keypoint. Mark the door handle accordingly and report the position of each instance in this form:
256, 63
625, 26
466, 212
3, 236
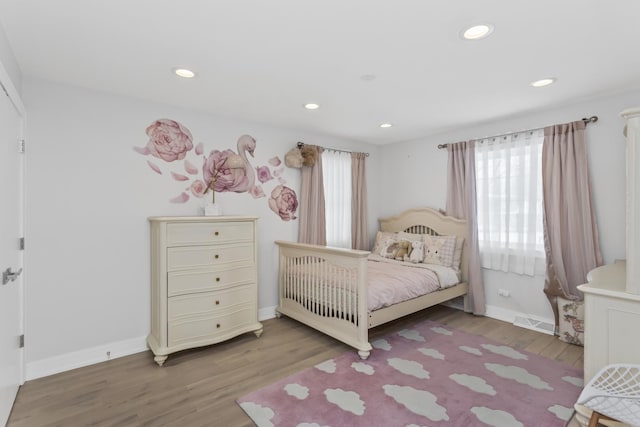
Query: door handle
10, 276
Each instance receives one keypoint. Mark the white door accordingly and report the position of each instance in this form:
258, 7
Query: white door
10, 255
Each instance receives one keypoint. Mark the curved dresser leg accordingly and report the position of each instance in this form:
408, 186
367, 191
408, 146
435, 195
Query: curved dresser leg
364, 354
278, 315
160, 359
258, 332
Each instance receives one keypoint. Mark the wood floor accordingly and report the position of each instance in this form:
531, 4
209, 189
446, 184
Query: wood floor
199, 387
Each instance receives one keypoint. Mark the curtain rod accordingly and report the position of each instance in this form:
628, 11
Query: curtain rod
586, 121
301, 144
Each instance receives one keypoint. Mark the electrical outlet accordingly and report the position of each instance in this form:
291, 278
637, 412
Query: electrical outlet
504, 293
108, 355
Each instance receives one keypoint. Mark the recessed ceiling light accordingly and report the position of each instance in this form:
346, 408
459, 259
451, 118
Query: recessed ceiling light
311, 106
544, 82
183, 72
385, 125
477, 32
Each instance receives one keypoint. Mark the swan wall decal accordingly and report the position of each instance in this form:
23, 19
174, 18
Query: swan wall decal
230, 176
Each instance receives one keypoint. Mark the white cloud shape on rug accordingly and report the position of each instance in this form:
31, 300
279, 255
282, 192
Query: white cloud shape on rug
346, 400
578, 382
561, 412
496, 418
411, 334
414, 425
363, 368
261, 415
477, 384
296, 390
441, 331
470, 350
519, 375
409, 367
381, 344
329, 366
432, 352
505, 351
310, 425
417, 401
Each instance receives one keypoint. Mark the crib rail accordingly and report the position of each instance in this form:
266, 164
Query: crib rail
326, 288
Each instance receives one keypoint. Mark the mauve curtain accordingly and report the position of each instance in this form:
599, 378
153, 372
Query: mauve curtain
570, 234
359, 215
311, 225
461, 203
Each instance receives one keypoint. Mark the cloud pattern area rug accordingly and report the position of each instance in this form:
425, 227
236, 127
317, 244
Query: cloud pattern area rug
428, 375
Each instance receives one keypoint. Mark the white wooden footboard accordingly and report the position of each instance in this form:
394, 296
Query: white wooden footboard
326, 288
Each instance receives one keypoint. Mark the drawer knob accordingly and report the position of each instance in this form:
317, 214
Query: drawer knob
216, 233
216, 256
217, 302
217, 279
218, 325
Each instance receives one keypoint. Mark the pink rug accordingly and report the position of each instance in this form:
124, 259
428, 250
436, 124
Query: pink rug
429, 375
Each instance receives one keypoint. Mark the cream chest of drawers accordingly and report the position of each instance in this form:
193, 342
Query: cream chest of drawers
204, 285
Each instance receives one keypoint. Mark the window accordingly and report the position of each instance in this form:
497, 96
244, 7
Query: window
509, 202
336, 171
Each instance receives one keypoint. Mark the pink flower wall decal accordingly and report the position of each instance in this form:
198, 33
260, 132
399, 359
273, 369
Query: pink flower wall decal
168, 140
182, 198
257, 192
190, 167
227, 179
179, 176
264, 174
154, 167
198, 187
275, 161
284, 202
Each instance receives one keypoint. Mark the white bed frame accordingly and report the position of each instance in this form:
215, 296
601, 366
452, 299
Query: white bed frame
340, 310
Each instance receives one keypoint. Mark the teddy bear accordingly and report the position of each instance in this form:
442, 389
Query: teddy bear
417, 252
389, 249
309, 155
404, 249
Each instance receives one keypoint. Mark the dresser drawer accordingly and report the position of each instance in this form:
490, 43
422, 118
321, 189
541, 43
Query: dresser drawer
207, 233
210, 326
188, 257
190, 281
209, 303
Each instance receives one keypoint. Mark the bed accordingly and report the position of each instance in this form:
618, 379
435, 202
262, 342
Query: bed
328, 288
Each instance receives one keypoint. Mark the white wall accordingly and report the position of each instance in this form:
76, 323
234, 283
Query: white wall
88, 198
419, 169
8, 61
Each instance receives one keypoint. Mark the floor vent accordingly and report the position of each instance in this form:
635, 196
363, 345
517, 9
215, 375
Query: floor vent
533, 324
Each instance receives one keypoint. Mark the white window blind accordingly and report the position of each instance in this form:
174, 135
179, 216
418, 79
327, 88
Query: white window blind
509, 202
336, 171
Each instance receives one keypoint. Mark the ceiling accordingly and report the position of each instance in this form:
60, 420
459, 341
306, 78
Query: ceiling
262, 60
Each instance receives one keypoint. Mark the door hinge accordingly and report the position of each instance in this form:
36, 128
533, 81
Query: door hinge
21, 243
21, 341
21, 146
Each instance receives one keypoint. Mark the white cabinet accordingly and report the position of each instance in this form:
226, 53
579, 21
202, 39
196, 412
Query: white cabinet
612, 296
204, 286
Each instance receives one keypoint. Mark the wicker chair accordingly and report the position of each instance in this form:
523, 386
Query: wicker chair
614, 392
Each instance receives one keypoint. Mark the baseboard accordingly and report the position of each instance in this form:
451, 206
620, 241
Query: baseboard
267, 313
510, 316
86, 357
90, 356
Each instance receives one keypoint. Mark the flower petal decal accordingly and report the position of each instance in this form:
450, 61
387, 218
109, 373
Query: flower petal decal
199, 148
198, 188
179, 177
142, 150
154, 167
182, 198
190, 168
275, 161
